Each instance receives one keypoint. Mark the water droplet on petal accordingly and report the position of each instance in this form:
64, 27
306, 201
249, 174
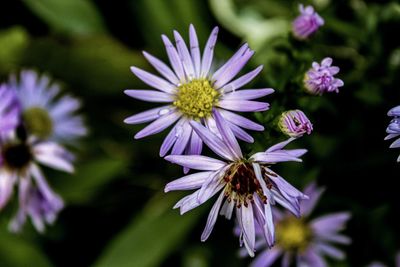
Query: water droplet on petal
163, 111
178, 131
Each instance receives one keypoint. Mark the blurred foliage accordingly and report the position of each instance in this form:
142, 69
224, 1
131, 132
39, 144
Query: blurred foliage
116, 214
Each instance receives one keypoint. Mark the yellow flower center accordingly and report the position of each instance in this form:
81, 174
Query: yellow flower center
38, 122
196, 98
293, 234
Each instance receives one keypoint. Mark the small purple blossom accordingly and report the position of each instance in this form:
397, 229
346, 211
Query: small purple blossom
192, 91
46, 114
247, 186
320, 78
9, 110
302, 240
393, 130
295, 123
307, 23
380, 264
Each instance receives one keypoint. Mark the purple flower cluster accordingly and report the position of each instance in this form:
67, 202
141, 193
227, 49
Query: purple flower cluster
304, 241
34, 120
320, 78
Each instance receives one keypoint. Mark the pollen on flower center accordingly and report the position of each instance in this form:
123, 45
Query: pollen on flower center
16, 156
38, 122
242, 184
196, 98
293, 234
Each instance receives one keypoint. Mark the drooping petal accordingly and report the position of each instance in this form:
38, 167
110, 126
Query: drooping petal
247, 218
212, 218
227, 135
212, 141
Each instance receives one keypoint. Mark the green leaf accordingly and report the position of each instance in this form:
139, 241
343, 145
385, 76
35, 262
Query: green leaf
155, 233
13, 42
82, 186
15, 251
73, 17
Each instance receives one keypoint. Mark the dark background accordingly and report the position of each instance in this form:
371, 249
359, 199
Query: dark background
117, 214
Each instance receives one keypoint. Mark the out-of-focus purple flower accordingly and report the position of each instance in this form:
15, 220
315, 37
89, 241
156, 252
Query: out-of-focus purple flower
246, 185
46, 114
307, 23
393, 130
191, 92
9, 110
295, 123
320, 78
305, 241
20, 168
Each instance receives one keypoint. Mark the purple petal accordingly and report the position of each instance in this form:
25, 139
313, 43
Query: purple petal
208, 53
314, 193
54, 156
330, 223
184, 55
243, 105
182, 139
188, 182
280, 145
245, 79
169, 140
212, 141
330, 251
267, 258
227, 64
196, 144
274, 157
212, 218
240, 133
247, 94
162, 68
159, 124
233, 69
227, 135
240, 120
7, 182
174, 58
150, 95
154, 81
196, 162
195, 49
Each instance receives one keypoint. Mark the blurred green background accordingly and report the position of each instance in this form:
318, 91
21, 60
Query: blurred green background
117, 214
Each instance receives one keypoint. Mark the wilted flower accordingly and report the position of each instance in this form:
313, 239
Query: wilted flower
307, 23
246, 185
193, 92
19, 166
9, 110
295, 123
46, 114
393, 129
302, 240
320, 78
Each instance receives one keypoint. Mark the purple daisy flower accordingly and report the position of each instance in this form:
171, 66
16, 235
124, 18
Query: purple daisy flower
46, 114
393, 130
9, 110
320, 78
192, 92
295, 123
19, 166
246, 185
306, 242
307, 23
